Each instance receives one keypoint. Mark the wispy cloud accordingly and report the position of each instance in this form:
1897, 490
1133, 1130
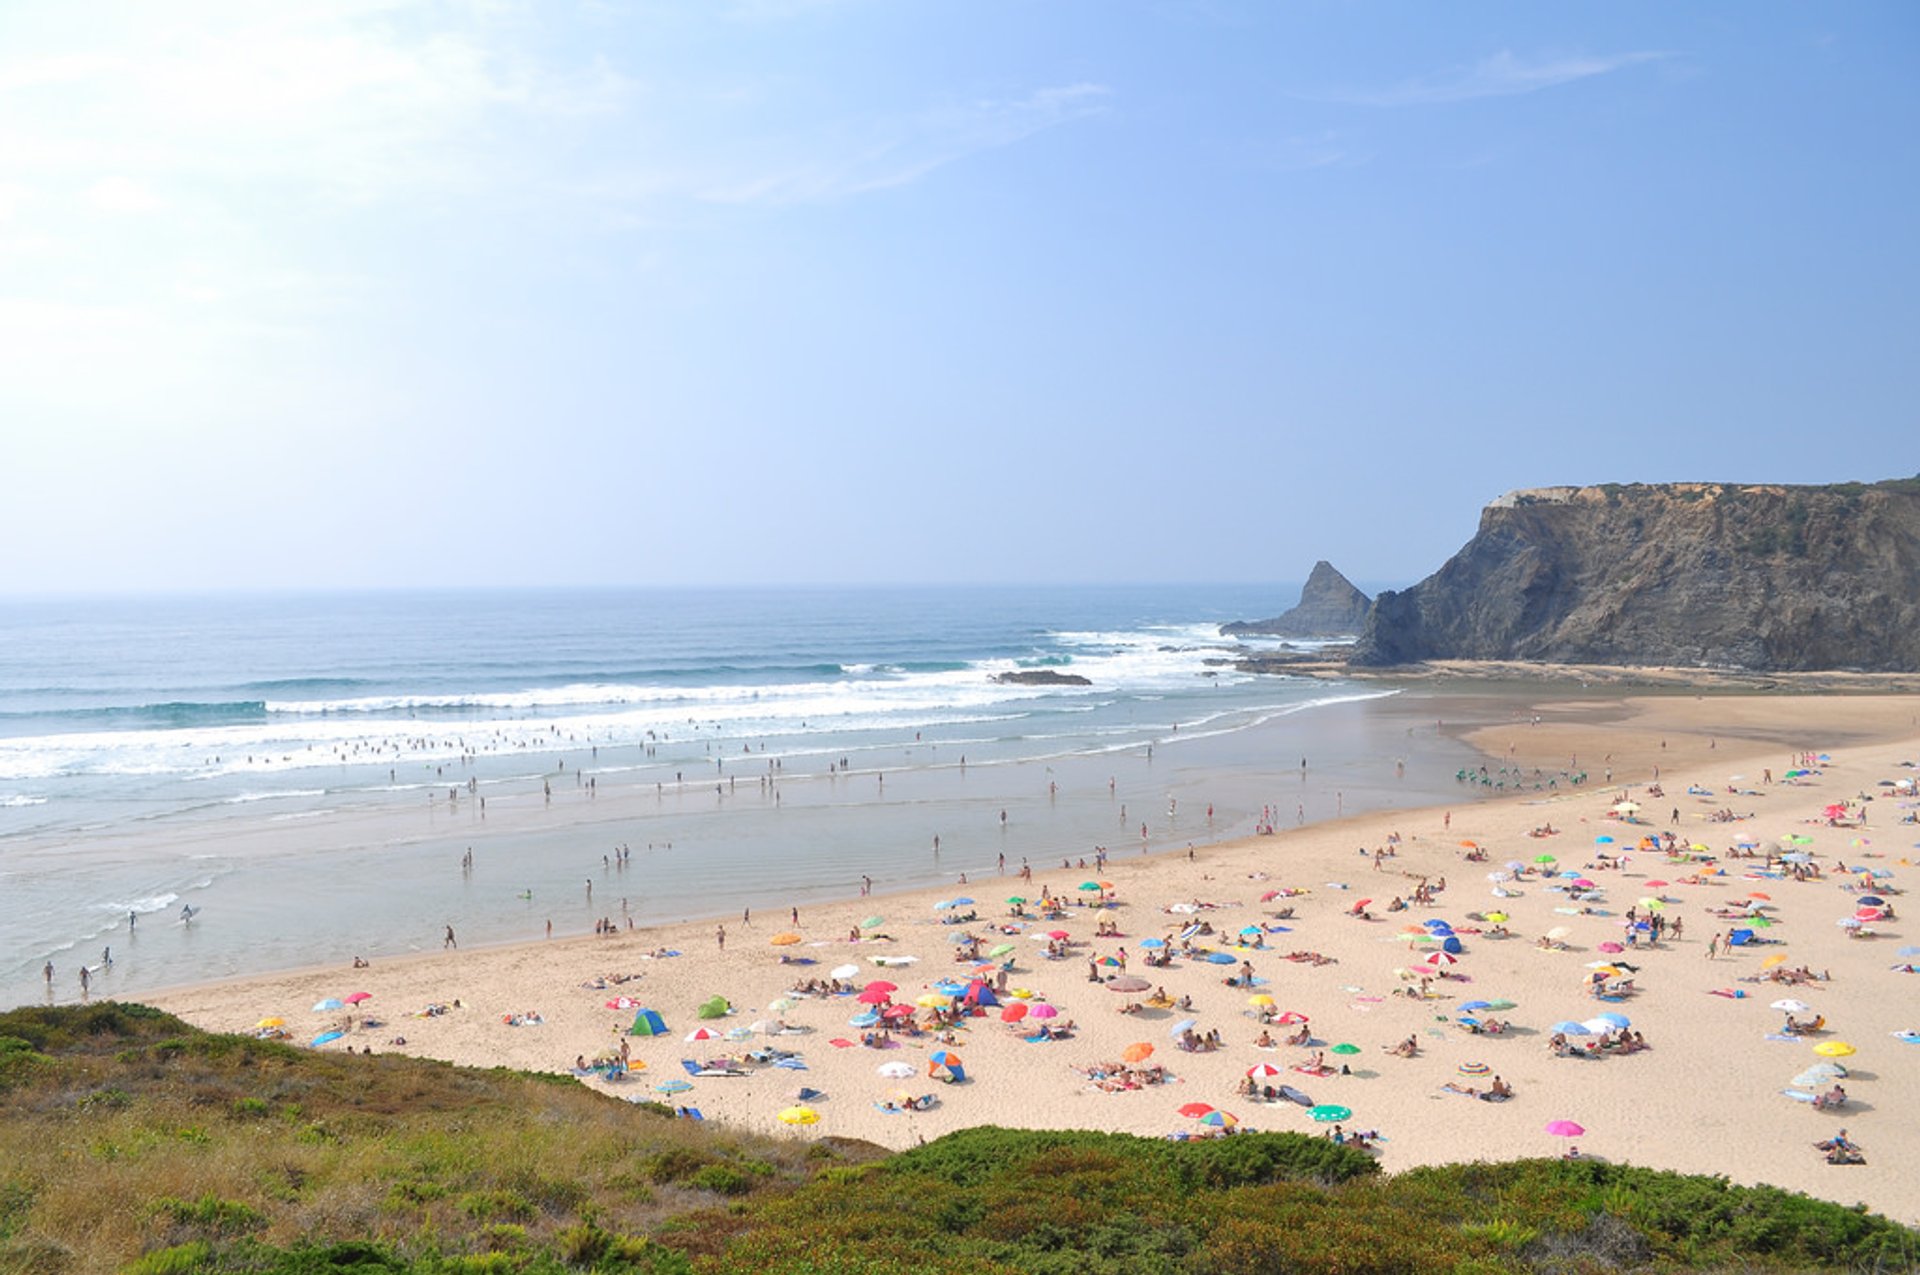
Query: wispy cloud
889, 153
1504, 74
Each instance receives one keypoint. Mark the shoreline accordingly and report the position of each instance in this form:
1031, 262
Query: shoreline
1735, 1124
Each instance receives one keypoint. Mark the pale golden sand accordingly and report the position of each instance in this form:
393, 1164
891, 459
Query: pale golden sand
1706, 1098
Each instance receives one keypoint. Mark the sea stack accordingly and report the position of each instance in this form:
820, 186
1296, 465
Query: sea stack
1329, 607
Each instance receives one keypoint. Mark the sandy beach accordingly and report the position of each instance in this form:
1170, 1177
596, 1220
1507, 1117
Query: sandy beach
1704, 1096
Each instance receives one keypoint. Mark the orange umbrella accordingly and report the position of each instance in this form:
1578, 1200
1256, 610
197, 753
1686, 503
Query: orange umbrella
1139, 1051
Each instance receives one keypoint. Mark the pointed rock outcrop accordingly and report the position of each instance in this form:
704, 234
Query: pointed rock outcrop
1329, 607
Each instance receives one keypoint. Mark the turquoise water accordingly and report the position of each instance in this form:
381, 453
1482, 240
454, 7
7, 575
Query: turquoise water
309, 770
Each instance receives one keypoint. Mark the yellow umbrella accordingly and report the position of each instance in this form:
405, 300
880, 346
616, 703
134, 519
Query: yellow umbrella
271, 1022
933, 1000
799, 1115
1496, 917
1771, 961
787, 939
1261, 999
1834, 1049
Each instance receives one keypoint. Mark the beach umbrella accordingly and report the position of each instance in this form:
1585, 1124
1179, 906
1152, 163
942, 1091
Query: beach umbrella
881, 985
874, 996
1501, 1003
1153, 943
1791, 1006
1138, 1051
783, 1004
1826, 1070
1564, 1129
1612, 1017
1498, 877
324, 1038
844, 971
1264, 1071
961, 939
944, 1058
271, 1022
897, 1012
1194, 1110
895, 1070
1327, 1113
1262, 999
1467, 1007
1908, 951
1016, 899
1220, 958
329, 1004
1112, 962
933, 1000
354, 998
1183, 1026
1089, 885
1599, 1026
701, 1033
1834, 1049
1000, 949
1603, 841
1571, 1028
1127, 983
1041, 1009
1474, 1069
1871, 901
1291, 1017
1497, 917
799, 1115
1611, 946
673, 1086
1058, 934
867, 1019
1655, 885
1013, 1013
1220, 1119
1442, 958
1344, 1047
1544, 858
873, 922
962, 902
786, 939
1558, 932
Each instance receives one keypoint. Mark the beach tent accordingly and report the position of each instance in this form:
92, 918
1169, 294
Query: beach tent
1451, 946
647, 1022
717, 1007
1739, 938
978, 993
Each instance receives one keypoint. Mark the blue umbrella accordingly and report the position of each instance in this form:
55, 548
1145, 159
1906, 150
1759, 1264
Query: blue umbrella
1909, 951
1870, 900
331, 1003
1467, 1007
944, 903
673, 1086
324, 1037
1466, 1021
1152, 943
1572, 1029
962, 901
1220, 958
867, 1019
1616, 1018
1603, 841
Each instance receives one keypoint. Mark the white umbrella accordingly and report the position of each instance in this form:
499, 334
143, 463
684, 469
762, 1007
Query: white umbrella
1792, 1006
895, 1070
845, 971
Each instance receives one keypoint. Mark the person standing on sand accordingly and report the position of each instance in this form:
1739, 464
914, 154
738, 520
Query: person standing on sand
49, 973
1713, 947
720, 937
450, 941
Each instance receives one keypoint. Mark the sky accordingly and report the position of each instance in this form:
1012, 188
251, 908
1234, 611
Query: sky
421, 293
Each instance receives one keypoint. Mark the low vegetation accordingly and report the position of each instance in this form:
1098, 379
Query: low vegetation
135, 1143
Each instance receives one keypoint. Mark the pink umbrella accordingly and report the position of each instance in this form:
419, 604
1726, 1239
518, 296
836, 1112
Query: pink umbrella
1611, 946
1043, 1010
1058, 934
882, 985
1655, 885
874, 996
1564, 1129
357, 997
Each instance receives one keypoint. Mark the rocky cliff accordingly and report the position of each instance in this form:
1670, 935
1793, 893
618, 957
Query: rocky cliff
1771, 578
1329, 607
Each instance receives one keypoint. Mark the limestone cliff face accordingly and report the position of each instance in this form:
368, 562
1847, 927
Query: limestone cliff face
1329, 607
1769, 578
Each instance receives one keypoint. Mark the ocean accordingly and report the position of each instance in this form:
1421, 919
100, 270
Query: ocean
310, 773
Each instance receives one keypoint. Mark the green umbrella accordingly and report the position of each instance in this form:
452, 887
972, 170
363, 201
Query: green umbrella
1327, 1113
1089, 885
1344, 1048
1016, 898
873, 922
1000, 949
1500, 1003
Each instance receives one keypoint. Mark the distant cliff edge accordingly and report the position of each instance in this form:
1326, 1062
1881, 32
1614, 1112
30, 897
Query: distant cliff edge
1329, 607
1764, 577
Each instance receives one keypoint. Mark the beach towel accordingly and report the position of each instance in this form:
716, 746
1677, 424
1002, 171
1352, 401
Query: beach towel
1305, 1070
689, 1113
791, 1064
1731, 993
839, 1043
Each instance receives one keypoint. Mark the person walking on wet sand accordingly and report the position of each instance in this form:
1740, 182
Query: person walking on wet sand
720, 937
450, 942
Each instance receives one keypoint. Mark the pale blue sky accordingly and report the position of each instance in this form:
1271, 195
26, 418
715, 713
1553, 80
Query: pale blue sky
395, 293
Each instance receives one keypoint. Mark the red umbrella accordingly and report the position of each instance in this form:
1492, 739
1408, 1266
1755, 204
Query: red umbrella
1058, 934
897, 1011
882, 985
874, 996
1291, 1016
1014, 1012
1196, 1109
1360, 906
357, 997
1443, 958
